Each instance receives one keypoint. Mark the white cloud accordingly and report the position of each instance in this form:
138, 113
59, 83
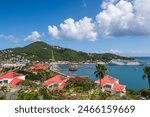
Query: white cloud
33, 37
9, 37
79, 30
124, 18
113, 51
117, 18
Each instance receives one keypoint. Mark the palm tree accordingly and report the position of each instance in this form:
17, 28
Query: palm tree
147, 74
100, 71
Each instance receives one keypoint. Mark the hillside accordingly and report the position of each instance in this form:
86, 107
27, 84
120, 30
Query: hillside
42, 51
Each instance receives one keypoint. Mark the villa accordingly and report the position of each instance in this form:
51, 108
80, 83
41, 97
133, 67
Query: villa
37, 67
11, 79
57, 81
111, 85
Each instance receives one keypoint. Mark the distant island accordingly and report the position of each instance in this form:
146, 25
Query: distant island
41, 51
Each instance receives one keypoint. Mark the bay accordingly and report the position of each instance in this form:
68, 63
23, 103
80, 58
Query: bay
131, 76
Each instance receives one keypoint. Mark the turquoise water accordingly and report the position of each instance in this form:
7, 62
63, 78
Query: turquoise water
131, 76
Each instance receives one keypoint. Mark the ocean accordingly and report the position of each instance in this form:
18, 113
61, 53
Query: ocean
131, 76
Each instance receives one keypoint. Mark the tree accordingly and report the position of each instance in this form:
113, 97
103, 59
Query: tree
147, 74
100, 71
4, 90
42, 75
28, 95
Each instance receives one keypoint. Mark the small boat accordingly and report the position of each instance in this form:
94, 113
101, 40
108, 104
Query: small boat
73, 68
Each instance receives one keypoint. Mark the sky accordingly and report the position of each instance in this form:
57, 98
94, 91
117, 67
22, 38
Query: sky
114, 26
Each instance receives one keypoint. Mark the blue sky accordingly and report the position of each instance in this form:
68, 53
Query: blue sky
115, 26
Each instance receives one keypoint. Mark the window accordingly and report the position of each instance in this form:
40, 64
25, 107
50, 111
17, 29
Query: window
108, 86
1, 82
5, 81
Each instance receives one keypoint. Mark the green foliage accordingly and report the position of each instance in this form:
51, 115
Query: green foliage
28, 83
2, 98
147, 74
80, 86
44, 75
52, 94
27, 95
41, 75
145, 93
43, 52
99, 95
132, 95
100, 71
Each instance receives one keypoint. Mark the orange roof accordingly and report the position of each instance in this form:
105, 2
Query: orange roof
109, 80
118, 87
15, 81
37, 67
106, 79
56, 79
11, 75
62, 85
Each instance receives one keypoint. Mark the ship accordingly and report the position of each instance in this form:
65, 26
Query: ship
73, 68
125, 62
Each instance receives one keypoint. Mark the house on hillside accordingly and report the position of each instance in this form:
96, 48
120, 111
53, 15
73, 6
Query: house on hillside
11, 79
57, 81
37, 67
111, 85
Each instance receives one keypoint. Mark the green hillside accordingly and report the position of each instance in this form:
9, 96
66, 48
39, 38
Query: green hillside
42, 51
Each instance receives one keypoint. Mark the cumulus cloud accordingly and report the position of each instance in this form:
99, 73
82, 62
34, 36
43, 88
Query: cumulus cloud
116, 18
77, 30
124, 18
9, 37
35, 36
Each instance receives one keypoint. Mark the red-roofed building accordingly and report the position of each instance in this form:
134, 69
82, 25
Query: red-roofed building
37, 67
11, 78
57, 81
111, 85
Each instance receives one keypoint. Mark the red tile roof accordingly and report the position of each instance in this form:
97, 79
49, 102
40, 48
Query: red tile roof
109, 80
118, 87
13, 76
10, 75
37, 67
106, 79
15, 81
56, 79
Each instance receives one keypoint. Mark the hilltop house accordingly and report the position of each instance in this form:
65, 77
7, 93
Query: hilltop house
111, 85
37, 67
11, 78
57, 81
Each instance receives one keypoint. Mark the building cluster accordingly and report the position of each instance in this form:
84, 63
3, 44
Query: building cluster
107, 83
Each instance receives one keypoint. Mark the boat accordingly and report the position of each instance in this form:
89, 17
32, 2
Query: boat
125, 62
73, 68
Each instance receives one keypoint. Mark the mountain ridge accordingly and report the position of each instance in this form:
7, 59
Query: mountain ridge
42, 51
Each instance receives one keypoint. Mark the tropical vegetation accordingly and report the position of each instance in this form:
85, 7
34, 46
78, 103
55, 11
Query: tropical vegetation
41, 51
147, 74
